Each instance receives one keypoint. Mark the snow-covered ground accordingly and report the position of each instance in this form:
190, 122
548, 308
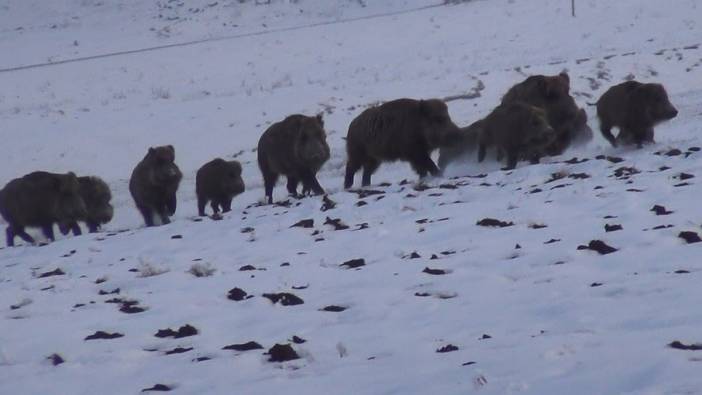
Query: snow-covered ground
527, 310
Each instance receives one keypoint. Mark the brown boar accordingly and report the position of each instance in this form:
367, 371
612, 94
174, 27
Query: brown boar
402, 129
297, 148
40, 199
552, 93
518, 130
635, 108
154, 183
218, 181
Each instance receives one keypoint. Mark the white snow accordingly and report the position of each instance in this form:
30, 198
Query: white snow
245, 66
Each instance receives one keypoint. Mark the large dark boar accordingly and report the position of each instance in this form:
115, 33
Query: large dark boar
218, 181
154, 183
634, 108
467, 143
518, 130
41, 199
297, 148
552, 93
403, 129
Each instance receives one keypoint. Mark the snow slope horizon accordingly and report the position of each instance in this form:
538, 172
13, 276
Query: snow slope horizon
558, 318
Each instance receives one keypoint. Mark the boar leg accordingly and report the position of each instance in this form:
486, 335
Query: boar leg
310, 183
481, 152
606, 130
75, 228
201, 203
512, 158
422, 164
13, 231
64, 228
171, 204
533, 156
48, 230
226, 204
19, 231
292, 186
629, 136
92, 226
166, 209
148, 215
369, 168
638, 136
215, 206
165, 219
639, 142
352, 166
9, 237
269, 180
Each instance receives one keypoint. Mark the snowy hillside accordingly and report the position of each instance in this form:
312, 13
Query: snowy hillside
441, 304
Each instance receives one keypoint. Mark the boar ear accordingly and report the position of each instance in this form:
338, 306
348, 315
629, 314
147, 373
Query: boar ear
564, 75
151, 151
320, 118
566, 80
170, 148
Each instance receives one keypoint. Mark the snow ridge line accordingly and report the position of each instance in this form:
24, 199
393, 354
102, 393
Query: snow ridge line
215, 39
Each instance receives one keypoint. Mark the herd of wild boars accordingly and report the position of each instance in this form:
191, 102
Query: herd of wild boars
537, 117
